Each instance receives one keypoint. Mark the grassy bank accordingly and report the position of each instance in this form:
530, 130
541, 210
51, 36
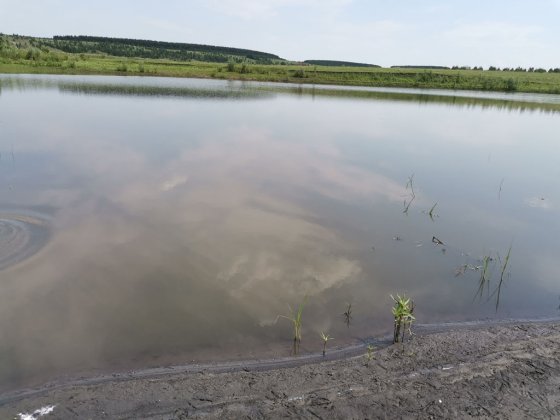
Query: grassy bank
440, 79
23, 57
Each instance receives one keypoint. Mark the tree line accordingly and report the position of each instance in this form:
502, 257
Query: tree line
125, 47
480, 68
334, 63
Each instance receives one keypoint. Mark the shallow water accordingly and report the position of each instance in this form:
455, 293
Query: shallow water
179, 218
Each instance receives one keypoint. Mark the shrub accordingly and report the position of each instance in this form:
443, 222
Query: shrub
511, 85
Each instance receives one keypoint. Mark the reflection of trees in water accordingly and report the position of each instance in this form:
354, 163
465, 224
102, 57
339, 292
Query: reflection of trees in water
429, 98
161, 91
249, 91
219, 89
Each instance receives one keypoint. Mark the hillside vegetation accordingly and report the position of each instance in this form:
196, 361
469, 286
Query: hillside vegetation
334, 63
39, 48
154, 49
93, 55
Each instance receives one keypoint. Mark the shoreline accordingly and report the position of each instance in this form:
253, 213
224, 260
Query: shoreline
410, 78
432, 345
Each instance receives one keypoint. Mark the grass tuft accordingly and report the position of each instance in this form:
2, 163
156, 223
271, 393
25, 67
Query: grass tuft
369, 354
403, 317
325, 338
295, 318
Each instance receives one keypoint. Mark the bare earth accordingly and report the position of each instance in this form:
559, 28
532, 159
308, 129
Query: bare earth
507, 370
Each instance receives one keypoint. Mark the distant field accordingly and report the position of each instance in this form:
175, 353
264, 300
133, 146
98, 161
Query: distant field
21, 56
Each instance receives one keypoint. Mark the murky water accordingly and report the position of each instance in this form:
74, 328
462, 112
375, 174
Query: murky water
153, 221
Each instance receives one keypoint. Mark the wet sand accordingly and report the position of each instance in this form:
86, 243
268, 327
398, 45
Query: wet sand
503, 370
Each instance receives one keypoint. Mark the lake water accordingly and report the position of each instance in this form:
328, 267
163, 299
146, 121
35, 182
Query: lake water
151, 221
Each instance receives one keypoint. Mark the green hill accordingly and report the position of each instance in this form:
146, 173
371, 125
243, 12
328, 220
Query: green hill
125, 47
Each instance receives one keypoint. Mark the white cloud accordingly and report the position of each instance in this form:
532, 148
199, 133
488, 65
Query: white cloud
248, 9
367, 42
263, 9
494, 32
495, 42
167, 26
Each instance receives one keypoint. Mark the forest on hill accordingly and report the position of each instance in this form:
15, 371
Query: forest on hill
124, 47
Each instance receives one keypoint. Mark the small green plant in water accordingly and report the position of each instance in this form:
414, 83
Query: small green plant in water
402, 314
499, 288
348, 314
431, 212
295, 318
409, 184
325, 338
484, 276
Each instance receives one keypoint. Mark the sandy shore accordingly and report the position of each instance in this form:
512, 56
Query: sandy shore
504, 370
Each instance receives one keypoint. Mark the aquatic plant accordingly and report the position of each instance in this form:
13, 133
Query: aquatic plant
484, 280
295, 318
409, 184
431, 212
348, 314
437, 241
325, 338
484, 276
406, 205
403, 318
502, 273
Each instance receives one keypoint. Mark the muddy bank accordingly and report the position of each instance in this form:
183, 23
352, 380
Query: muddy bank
507, 370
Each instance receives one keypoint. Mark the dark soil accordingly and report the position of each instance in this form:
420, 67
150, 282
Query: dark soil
498, 371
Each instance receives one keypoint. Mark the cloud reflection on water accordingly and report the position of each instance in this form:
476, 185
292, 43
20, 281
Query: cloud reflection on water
185, 227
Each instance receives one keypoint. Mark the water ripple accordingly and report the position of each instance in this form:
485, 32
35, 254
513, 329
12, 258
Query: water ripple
21, 236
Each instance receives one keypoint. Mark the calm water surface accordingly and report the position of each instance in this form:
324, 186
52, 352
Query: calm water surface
148, 221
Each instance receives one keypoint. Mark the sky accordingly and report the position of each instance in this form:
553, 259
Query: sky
502, 33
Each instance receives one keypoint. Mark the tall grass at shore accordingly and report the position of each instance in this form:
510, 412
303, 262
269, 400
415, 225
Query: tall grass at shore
403, 317
295, 318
